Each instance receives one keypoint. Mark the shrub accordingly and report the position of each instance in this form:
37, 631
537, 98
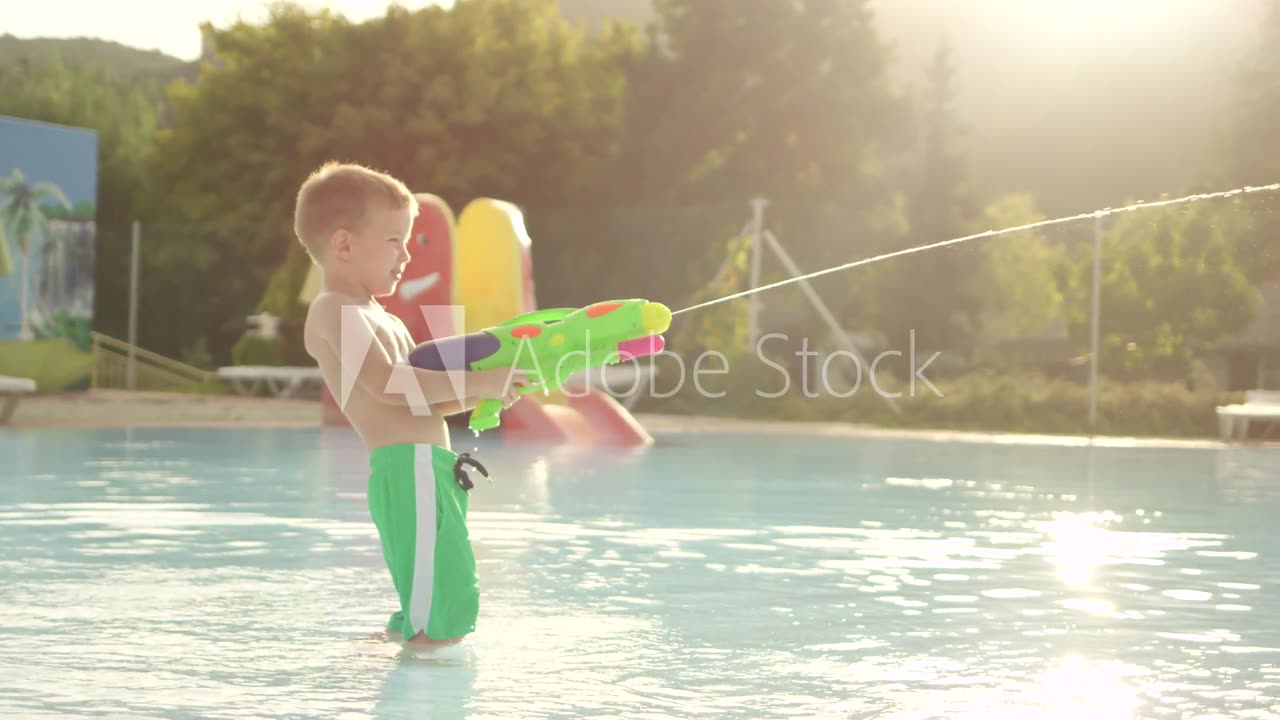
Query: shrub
981, 401
254, 350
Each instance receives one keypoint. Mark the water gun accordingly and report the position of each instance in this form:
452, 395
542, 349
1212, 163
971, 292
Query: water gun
550, 346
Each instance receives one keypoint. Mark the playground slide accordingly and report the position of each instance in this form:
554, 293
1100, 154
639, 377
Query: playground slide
476, 272
494, 282
424, 298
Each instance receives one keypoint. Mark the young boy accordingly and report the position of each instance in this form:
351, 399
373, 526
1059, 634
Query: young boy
355, 224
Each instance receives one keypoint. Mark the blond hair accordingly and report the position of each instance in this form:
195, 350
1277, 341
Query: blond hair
338, 195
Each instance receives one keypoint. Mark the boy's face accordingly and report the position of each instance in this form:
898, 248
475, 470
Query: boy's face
378, 251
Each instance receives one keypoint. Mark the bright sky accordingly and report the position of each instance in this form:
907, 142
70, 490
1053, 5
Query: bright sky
170, 26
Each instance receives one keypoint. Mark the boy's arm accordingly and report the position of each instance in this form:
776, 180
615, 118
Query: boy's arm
453, 406
345, 345
444, 408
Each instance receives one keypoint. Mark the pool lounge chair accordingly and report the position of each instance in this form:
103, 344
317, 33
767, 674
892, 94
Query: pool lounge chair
11, 391
1258, 405
282, 381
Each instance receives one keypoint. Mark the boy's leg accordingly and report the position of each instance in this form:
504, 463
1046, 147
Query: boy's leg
420, 513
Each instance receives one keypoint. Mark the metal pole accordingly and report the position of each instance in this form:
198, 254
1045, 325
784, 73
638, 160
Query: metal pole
1095, 316
753, 301
133, 303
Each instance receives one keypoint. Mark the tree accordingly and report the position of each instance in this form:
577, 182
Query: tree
1254, 147
21, 213
1170, 288
1016, 283
785, 99
497, 98
737, 99
929, 296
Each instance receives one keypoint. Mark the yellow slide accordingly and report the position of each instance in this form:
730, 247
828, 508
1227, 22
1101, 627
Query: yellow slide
494, 280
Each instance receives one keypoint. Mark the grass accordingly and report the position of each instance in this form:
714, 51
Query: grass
54, 364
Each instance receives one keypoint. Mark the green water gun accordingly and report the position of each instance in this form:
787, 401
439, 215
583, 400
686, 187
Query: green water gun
550, 346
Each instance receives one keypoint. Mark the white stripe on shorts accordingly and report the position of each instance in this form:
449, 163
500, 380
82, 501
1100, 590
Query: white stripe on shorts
424, 551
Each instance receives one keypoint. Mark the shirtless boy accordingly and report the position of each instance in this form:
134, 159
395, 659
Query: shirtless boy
355, 224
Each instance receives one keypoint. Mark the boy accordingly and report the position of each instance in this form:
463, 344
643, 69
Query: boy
355, 224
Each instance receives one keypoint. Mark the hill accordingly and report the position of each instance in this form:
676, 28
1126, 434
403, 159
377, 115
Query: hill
116, 59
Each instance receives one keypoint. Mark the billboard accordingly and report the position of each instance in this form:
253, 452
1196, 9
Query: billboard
48, 199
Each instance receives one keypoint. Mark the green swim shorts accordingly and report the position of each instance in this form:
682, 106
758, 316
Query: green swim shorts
420, 512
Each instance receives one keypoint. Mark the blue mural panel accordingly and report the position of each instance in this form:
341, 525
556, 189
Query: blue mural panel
48, 211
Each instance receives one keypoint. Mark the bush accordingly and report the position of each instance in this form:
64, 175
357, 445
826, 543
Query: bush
198, 356
981, 401
55, 364
254, 350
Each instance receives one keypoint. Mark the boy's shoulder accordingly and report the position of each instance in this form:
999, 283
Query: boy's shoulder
323, 312
327, 310
326, 314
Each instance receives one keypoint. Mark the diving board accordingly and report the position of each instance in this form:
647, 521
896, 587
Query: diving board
12, 389
283, 381
1258, 406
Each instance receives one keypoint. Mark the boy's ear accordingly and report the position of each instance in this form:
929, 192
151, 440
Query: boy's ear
340, 243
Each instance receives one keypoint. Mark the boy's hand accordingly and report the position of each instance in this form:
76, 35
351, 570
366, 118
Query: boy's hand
510, 397
499, 383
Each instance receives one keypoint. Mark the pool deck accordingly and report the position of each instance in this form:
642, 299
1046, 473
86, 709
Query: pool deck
121, 408
662, 424
124, 408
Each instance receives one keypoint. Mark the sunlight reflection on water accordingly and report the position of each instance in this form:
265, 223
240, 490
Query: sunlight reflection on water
237, 574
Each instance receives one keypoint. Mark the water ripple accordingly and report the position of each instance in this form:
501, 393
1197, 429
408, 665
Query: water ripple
165, 574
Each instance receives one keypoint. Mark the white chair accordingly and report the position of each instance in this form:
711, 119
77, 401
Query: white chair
282, 381
12, 389
1258, 405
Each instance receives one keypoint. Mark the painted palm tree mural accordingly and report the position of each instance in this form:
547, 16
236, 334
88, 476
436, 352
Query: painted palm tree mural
48, 198
24, 219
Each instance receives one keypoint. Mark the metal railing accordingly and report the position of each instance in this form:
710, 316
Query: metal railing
117, 365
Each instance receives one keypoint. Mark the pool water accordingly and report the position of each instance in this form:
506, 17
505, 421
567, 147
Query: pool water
212, 573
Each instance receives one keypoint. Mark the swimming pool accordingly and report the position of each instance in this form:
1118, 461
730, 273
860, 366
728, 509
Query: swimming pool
220, 573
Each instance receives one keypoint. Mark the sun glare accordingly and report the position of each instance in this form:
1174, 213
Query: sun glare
1077, 545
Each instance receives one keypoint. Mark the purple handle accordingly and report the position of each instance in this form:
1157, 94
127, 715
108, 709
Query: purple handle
458, 352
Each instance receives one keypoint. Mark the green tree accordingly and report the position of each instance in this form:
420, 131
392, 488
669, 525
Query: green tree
785, 99
1170, 287
931, 294
1254, 147
733, 100
1016, 283
497, 98
20, 212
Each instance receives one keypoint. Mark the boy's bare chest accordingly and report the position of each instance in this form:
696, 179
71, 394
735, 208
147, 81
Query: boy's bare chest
393, 341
